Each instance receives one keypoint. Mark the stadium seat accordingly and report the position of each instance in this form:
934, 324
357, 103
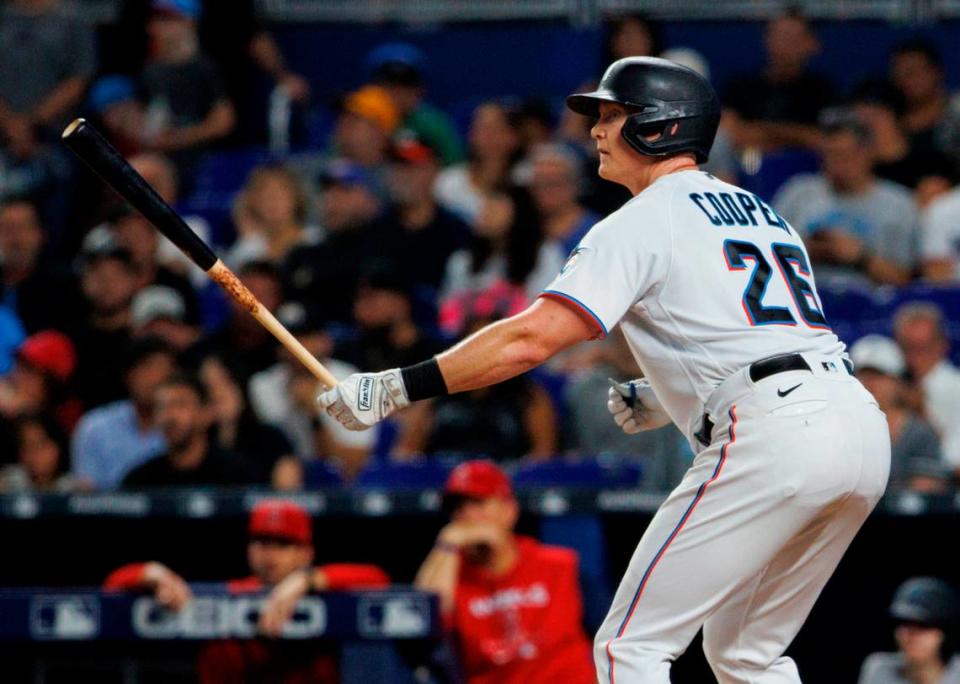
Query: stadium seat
562, 472
423, 472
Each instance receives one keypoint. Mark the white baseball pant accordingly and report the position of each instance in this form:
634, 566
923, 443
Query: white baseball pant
745, 543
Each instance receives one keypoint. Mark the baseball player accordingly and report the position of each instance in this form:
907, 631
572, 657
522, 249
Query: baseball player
715, 296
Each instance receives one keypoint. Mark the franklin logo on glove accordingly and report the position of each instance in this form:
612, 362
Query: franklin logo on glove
364, 391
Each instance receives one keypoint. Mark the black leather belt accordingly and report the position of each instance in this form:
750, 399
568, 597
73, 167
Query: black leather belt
758, 371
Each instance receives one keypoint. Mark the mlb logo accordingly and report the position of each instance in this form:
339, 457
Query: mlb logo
830, 366
392, 617
65, 617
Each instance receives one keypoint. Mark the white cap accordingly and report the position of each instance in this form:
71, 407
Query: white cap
156, 301
879, 353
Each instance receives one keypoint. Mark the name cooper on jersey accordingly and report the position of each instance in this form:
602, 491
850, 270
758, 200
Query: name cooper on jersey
740, 211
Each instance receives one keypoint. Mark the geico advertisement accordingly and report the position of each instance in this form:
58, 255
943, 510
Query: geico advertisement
215, 617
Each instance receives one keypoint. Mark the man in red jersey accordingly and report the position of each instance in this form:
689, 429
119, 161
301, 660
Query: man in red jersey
512, 603
280, 555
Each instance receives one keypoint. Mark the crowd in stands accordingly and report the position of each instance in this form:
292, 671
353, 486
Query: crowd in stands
121, 366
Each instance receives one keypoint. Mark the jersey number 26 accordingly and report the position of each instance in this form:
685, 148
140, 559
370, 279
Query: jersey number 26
792, 263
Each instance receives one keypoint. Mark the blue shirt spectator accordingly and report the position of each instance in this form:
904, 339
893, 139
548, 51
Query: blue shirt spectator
110, 442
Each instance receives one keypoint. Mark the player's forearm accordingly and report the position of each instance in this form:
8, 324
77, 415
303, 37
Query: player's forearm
496, 353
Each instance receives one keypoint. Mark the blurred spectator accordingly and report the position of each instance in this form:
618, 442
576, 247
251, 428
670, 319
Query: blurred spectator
418, 230
161, 174
108, 280
389, 337
555, 188
398, 68
590, 430
513, 605
42, 295
368, 119
41, 453
535, 121
38, 384
514, 419
284, 396
265, 452
924, 613
159, 311
895, 156
915, 446
244, 51
141, 240
111, 440
921, 333
506, 245
187, 106
494, 148
630, 35
245, 346
940, 238
326, 274
778, 105
916, 70
40, 380
47, 57
280, 555
269, 216
855, 225
183, 413
117, 112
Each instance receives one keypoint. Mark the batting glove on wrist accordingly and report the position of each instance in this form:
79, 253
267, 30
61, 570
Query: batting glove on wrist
362, 400
635, 407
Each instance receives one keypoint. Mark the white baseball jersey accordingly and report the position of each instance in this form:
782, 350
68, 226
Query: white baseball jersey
704, 278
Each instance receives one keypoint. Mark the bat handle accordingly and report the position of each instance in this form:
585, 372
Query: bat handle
239, 292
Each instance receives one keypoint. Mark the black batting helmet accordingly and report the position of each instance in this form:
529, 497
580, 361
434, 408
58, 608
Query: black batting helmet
657, 93
926, 600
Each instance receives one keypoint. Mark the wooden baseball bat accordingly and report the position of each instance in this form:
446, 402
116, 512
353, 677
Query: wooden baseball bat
103, 158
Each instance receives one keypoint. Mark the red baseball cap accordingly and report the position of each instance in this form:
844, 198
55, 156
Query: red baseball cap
281, 519
51, 352
478, 479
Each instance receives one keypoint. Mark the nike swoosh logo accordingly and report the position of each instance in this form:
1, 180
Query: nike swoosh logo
783, 393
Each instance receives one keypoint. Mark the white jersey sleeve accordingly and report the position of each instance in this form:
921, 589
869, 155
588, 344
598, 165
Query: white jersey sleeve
621, 260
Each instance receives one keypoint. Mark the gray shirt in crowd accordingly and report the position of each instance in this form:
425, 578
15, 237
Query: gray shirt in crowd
884, 217
916, 443
888, 668
40, 51
663, 453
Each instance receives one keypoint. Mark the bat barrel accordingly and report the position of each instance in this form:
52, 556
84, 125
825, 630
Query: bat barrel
97, 153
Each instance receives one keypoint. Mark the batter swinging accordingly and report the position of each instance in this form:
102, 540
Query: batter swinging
715, 295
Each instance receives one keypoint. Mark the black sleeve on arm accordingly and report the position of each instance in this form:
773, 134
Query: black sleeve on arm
424, 380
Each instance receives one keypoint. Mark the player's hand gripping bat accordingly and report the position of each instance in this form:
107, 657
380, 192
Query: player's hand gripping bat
87, 143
